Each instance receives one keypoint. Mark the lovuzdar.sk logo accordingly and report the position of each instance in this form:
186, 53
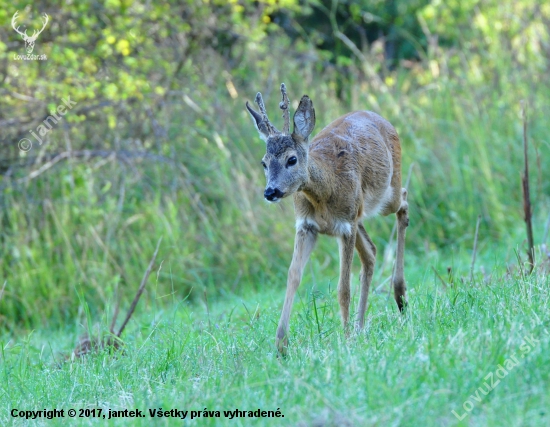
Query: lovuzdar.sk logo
29, 40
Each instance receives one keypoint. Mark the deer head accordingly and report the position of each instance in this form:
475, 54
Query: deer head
29, 40
286, 159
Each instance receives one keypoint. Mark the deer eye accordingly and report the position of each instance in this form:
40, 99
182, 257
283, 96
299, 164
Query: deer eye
292, 161
264, 165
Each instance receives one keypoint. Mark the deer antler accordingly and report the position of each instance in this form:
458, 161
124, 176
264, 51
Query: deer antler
270, 128
14, 23
36, 33
284, 106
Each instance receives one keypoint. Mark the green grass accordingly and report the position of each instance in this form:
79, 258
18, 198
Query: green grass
76, 239
406, 371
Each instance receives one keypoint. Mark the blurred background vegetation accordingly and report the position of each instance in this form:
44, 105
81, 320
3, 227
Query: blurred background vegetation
159, 143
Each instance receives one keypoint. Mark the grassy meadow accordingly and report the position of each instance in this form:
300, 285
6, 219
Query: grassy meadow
161, 146
400, 371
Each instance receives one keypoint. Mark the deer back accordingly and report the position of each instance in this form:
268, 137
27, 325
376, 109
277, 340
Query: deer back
354, 172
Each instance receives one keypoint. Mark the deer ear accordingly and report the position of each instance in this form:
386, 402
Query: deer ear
258, 122
304, 120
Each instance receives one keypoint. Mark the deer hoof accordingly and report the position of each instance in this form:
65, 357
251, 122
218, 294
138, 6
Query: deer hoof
282, 346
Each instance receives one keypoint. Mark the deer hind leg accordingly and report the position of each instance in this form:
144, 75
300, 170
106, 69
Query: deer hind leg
303, 245
367, 255
398, 279
346, 243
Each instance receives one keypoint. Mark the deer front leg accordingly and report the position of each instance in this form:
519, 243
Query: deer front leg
346, 243
306, 236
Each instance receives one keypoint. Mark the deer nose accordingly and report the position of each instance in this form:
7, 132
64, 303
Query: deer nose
272, 194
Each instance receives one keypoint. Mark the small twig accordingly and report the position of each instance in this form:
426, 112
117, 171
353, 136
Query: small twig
364, 61
121, 155
545, 249
546, 229
115, 315
526, 196
451, 277
2, 291
88, 344
207, 310
439, 277
475, 249
140, 290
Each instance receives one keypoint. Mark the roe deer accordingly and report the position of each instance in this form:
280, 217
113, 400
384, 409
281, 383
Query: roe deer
351, 170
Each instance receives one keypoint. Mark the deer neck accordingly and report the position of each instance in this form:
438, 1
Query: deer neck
316, 189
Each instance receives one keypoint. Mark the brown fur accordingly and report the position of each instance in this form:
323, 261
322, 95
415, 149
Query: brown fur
350, 161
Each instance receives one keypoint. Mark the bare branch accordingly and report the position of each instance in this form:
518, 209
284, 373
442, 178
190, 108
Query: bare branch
375, 78
53, 159
140, 290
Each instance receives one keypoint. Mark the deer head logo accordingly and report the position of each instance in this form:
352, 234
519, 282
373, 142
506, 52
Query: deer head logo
29, 40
